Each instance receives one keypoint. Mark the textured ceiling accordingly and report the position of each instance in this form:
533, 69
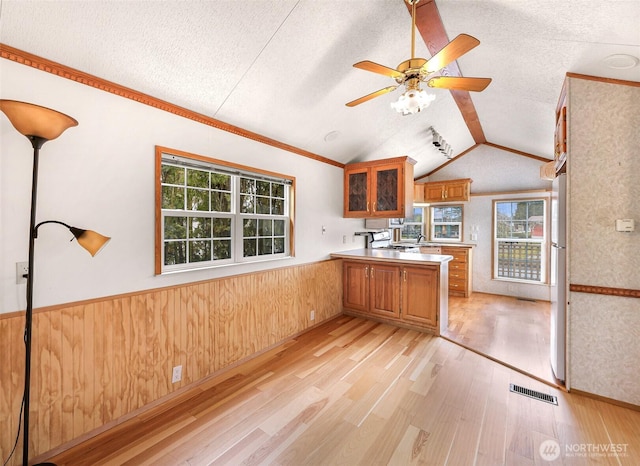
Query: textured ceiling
283, 68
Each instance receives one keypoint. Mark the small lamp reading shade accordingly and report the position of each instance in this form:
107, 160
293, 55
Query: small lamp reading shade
90, 240
34, 120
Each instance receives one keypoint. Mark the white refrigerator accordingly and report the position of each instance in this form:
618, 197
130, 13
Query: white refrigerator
559, 281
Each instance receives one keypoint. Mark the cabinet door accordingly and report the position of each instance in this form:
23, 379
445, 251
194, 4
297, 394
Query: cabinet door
357, 192
458, 191
384, 290
433, 192
420, 294
388, 190
355, 286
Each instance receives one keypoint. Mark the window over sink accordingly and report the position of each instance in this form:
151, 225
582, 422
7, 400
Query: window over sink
445, 223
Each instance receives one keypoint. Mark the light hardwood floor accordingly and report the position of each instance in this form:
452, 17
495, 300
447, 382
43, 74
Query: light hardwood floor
356, 392
507, 329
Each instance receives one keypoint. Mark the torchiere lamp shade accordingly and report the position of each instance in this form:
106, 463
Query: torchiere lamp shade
34, 120
90, 240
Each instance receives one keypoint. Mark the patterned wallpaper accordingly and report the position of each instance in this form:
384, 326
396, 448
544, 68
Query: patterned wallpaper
604, 163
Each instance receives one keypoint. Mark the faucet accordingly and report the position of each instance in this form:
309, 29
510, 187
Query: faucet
419, 238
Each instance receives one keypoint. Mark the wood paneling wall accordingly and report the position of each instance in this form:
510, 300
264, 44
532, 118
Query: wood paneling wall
95, 362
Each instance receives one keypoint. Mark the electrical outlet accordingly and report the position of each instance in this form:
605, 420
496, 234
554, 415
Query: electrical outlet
22, 269
312, 315
177, 374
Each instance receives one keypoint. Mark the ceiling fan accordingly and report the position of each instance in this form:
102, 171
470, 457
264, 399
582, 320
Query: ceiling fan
412, 72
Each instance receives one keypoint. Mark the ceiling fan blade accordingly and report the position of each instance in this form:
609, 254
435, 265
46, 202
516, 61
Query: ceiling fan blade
462, 84
353, 103
450, 52
380, 69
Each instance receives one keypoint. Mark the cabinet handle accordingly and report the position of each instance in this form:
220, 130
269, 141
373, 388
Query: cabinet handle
404, 273
367, 206
372, 271
374, 206
366, 271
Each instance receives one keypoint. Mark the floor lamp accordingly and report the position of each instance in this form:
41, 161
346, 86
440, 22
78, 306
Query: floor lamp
39, 125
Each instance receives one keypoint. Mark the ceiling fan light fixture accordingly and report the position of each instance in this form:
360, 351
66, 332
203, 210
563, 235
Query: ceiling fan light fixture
413, 101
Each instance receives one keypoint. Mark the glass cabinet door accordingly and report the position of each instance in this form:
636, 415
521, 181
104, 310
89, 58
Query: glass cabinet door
358, 191
387, 185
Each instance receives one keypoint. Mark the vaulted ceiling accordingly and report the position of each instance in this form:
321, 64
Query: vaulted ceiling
283, 68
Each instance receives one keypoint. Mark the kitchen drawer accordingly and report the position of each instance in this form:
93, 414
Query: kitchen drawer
457, 285
458, 269
458, 275
459, 255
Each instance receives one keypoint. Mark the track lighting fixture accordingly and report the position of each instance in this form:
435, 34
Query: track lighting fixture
443, 146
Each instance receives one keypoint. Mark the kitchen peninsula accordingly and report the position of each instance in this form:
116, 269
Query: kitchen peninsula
404, 288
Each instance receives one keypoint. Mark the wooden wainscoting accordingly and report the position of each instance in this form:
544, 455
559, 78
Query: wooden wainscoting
95, 363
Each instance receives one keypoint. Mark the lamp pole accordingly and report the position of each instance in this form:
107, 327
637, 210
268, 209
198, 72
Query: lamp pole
37, 143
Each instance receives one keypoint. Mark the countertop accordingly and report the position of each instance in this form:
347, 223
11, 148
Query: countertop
390, 255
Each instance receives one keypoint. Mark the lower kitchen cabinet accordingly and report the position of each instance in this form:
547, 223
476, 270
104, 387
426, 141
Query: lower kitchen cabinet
400, 293
459, 270
420, 294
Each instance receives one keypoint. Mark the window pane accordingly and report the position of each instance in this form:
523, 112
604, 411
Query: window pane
250, 227
263, 188
197, 178
221, 249
175, 252
411, 231
264, 246
197, 199
446, 231
199, 251
220, 182
277, 190
277, 206
278, 245
220, 201
172, 175
523, 219
175, 227
199, 227
520, 260
221, 227
278, 227
265, 227
250, 247
263, 205
247, 204
172, 197
247, 186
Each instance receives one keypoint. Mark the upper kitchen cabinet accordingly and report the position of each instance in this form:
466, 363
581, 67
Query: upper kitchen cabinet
379, 188
447, 191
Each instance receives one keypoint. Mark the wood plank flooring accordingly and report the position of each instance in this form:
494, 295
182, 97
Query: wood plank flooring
507, 329
356, 392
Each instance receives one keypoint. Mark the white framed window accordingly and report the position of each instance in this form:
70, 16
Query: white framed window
519, 236
413, 227
211, 213
445, 223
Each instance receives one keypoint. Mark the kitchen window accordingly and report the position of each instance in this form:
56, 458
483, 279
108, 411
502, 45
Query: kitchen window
212, 213
446, 223
519, 240
413, 227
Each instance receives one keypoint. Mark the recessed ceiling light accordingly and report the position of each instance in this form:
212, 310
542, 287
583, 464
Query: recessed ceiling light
621, 61
332, 136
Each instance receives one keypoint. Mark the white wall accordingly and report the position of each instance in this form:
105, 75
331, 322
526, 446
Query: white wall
494, 171
604, 163
100, 176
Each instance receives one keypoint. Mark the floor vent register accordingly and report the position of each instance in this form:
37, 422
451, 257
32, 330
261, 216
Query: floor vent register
534, 394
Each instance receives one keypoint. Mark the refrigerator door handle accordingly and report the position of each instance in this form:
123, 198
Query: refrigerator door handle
556, 245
